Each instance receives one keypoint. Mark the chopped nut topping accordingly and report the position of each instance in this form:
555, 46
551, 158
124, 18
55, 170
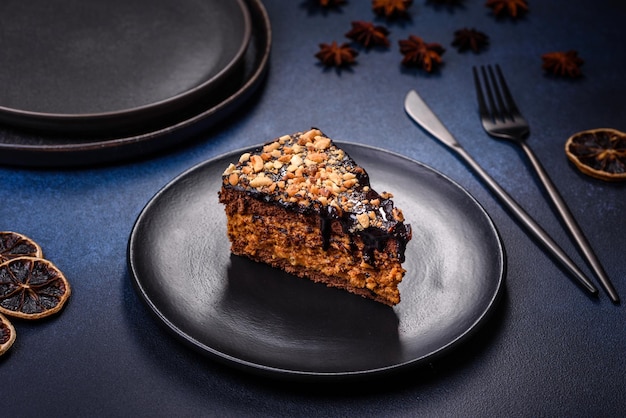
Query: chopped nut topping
244, 157
308, 170
398, 215
322, 143
257, 163
260, 181
229, 169
363, 219
272, 146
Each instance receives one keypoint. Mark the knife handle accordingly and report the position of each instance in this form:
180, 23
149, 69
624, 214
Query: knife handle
571, 224
527, 221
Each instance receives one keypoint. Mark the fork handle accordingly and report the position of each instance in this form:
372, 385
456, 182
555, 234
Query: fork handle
531, 225
571, 224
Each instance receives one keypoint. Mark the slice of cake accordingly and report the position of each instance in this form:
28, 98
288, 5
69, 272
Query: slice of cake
301, 204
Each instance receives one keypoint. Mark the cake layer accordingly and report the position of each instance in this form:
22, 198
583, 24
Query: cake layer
294, 243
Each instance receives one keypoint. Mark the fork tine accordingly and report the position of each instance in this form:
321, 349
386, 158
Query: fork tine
495, 111
482, 106
512, 107
501, 108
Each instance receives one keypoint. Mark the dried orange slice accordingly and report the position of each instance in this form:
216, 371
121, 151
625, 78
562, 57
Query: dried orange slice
600, 153
32, 288
14, 245
7, 334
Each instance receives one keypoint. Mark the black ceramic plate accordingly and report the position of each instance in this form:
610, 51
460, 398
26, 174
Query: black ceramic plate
260, 319
94, 66
24, 147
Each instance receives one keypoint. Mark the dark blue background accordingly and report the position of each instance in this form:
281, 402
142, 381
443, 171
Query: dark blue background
550, 350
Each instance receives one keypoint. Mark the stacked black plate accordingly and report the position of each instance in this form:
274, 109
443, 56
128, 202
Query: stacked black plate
92, 82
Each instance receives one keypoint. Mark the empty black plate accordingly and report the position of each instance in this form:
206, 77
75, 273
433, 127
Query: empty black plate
260, 319
29, 148
114, 66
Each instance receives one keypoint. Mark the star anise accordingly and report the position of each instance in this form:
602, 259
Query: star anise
563, 63
418, 53
513, 8
367, 34
465, 39
330, 3
336, 55
391, 8
450, 3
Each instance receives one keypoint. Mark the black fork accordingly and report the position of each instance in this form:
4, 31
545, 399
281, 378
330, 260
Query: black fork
502, 119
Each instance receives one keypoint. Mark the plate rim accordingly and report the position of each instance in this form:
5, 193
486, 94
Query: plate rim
283, 373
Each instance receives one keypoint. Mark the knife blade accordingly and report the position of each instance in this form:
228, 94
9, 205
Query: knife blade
421, 113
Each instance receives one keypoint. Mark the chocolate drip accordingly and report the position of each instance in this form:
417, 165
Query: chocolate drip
374, 239
325, 226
